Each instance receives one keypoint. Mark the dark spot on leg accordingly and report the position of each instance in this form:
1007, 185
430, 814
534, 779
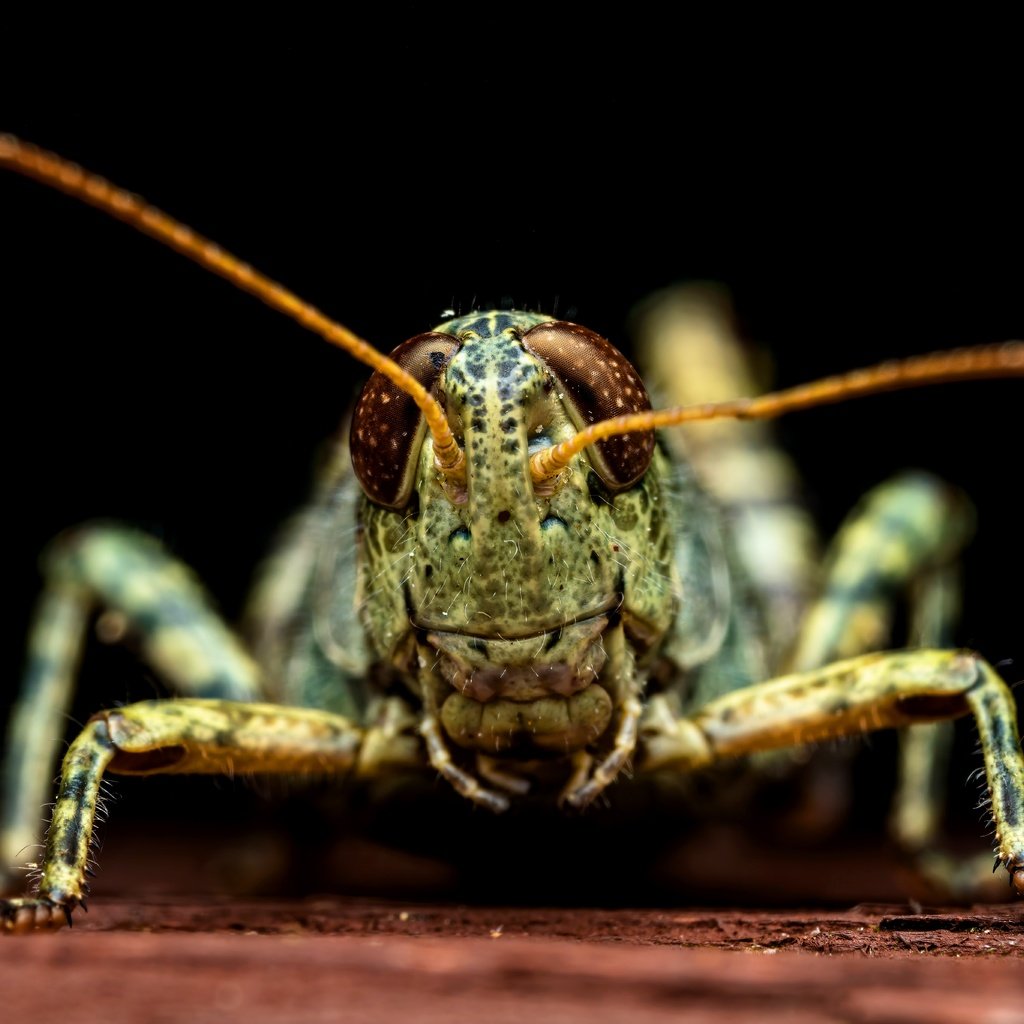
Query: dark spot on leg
933, 706
145, 762
73, 788
69, 855
1011, 807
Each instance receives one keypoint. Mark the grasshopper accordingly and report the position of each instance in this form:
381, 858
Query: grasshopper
512, 583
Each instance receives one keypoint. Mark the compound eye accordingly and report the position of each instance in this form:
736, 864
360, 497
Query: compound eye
387, 426
599, 382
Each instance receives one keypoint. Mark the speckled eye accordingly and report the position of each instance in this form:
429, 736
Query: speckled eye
388, 428
599, 383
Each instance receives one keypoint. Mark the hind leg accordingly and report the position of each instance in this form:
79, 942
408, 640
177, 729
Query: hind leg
902, 540
142, 592
691, 353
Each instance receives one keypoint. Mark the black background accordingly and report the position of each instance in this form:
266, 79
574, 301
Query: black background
859, 209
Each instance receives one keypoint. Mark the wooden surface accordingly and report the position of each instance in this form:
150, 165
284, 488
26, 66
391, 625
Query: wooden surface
219, 922
351, 960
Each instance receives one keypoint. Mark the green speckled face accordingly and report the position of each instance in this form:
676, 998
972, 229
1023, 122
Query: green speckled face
510, 595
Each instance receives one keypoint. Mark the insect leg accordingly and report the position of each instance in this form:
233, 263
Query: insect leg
902, 530
874, 691
174, 736
904, 537
925, 749
691, 354
37, 724
143, 593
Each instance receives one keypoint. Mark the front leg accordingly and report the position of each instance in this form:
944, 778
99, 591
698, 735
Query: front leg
875, 691
175, 736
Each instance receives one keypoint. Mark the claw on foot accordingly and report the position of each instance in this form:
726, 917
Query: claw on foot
32, 914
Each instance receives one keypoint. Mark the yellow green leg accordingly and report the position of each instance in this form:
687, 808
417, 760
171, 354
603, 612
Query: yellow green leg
38, 722
739, 462
901, 541
902, 530
174, 736
144, 595
916, 817
874, 691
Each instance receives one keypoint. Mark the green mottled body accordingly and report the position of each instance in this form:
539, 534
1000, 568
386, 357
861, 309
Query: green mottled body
512, 640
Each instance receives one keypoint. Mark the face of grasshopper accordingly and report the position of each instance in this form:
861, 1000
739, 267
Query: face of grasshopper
495, 598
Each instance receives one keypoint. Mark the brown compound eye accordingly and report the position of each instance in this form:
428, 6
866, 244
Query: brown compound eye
388, 428
599, 382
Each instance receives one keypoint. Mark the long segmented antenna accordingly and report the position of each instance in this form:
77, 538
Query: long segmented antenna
1005, 360
61, 174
